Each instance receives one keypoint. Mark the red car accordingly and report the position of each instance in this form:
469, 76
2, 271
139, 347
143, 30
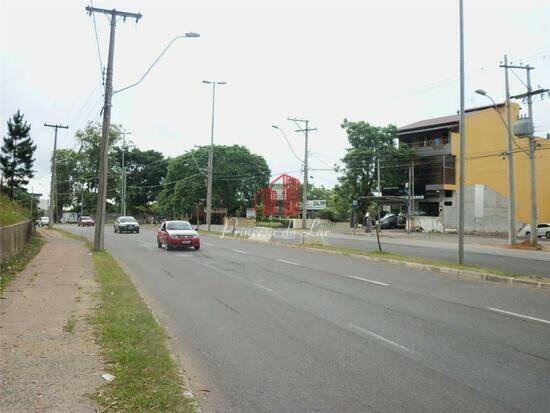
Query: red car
177, 234
85, 222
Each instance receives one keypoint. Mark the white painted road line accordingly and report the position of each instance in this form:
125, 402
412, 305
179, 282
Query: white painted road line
287, 262
263, 287
540, 320
206, 243
368, 281
379, 337
241, 252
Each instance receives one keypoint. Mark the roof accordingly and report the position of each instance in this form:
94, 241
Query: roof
440, 122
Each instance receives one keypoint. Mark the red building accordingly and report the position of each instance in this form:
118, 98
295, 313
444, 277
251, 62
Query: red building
281, 198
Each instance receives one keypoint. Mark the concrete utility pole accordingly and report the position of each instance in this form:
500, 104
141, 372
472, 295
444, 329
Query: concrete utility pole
306, 131
104, 149
123, 171
532, 148
511, 186
211, 156
53, 188
462, 127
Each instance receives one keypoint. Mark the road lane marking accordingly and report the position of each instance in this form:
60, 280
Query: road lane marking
379, 337
263, 287
241, 252
368, 281
540, 320
287, 262
207, 243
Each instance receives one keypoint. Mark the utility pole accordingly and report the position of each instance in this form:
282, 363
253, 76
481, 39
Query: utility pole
409, 207
462, 153
306, 131
532, 148
53, 187
378, 189
104, 149
211, 156
123, 171
511, 185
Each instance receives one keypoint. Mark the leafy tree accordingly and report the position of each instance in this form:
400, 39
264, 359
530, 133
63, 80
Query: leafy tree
237, 176
367, 144
17, 158
68, 163
145, 172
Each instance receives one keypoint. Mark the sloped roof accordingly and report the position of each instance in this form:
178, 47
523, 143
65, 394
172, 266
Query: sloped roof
442, 121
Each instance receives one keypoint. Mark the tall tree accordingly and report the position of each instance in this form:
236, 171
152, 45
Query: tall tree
17, 158
238, 174
368, 144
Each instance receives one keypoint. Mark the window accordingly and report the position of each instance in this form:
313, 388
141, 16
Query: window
448, 203
178, 225
448, 193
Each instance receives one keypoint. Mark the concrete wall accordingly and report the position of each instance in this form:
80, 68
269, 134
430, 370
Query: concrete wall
486, 211
13, 238
486, 138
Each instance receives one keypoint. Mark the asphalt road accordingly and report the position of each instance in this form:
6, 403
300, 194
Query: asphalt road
266, 328
533, 263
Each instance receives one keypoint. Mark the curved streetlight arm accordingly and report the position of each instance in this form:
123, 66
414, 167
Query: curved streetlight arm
483, 93
186, 35
288, 142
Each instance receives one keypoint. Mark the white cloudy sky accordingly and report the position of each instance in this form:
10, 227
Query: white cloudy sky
378, 61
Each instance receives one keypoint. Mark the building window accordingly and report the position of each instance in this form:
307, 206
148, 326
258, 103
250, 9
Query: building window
448, 203
448, 193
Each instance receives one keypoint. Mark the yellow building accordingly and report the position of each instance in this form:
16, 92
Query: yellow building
436, 143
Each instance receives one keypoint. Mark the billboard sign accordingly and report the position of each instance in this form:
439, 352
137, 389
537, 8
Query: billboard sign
316, 204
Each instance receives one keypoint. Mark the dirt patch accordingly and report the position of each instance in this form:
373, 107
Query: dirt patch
49, 361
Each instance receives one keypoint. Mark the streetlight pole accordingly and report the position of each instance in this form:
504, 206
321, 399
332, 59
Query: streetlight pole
462, 127
511, 192
123, 171
211, 156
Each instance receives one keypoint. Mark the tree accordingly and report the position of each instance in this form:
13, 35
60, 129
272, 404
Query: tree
145, 172
68, 162
237, 176
369, 143
17, 158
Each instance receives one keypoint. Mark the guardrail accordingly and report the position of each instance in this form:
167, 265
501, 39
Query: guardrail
13, 238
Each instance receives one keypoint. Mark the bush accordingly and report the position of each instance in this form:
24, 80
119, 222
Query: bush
328, 214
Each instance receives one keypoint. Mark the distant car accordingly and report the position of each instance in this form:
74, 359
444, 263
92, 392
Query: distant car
126, 224
85, 221
543, 230
389, 221
177, 234
43, 221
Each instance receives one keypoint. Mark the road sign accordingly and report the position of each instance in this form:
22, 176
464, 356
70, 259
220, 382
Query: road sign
354, 203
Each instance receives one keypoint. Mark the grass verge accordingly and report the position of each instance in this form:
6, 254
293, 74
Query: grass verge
135, 349
420, 260
10, 267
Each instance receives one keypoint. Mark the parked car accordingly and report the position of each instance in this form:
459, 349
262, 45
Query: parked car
389, 221
543, 230
177, 234
85, 221
69, 218
126, 224
43, 221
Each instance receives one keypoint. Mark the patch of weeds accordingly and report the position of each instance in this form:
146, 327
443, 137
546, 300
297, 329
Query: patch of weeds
69, 325
12, 266
147, 378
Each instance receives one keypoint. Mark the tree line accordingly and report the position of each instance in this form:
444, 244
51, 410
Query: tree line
163, 186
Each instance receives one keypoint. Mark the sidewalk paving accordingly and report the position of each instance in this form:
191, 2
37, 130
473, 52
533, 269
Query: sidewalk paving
45, 365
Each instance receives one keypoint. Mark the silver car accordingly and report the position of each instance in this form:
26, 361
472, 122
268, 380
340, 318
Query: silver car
543, 230
126, 224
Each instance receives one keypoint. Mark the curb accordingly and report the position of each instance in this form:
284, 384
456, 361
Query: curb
485, 276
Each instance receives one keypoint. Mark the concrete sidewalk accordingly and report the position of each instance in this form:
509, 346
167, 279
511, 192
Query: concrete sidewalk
48, 360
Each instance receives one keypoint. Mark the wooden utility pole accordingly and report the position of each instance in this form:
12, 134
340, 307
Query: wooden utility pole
53, 184
104, 149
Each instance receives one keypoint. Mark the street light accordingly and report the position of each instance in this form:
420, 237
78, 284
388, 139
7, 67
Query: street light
288, 142
211, 156
531, 155
511, 187
185, 36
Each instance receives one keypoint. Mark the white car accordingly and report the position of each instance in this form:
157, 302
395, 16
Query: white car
543, 230
126, 224
43, 221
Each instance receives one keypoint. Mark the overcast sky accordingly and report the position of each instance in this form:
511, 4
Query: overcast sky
382, 62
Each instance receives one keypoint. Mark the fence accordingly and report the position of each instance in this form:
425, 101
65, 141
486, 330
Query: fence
13, 238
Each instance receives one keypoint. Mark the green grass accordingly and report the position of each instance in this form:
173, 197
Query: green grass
10, 267
419, 260
12, 212
135, 348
